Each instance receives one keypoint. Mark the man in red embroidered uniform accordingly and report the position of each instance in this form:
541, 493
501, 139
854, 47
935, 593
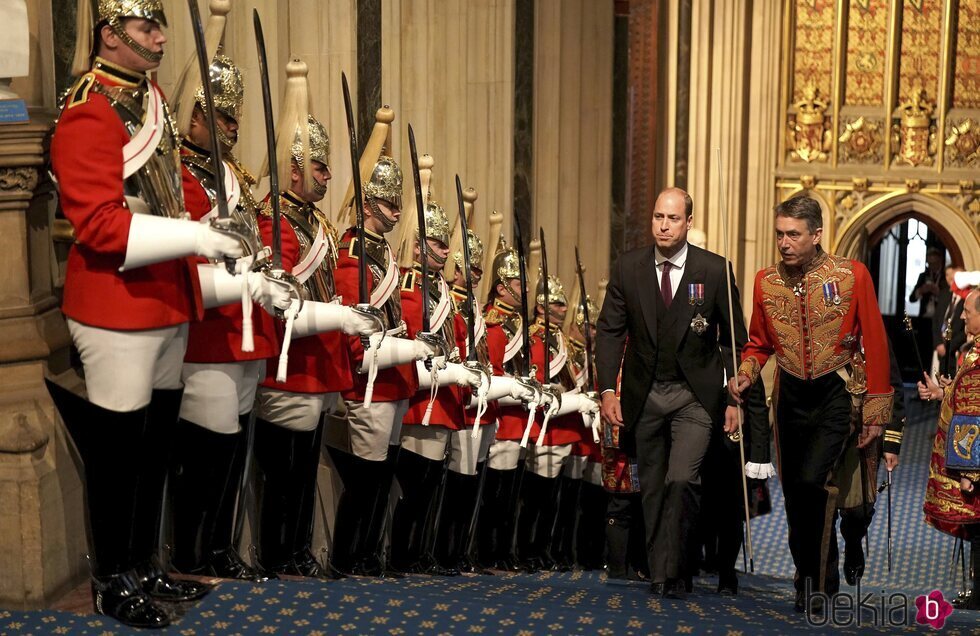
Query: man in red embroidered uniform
129, 293
952, 504
307, 379
818, 315
385, 377
222, 367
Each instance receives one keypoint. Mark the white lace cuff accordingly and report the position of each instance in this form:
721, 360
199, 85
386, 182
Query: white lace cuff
759, 471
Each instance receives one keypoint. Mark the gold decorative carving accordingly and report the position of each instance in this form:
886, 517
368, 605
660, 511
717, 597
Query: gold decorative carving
922, 32
867, 33
814, 44
915, 137
963, 144
913, 185
860, 184
19, 178
808, 181
966, 71
861, 140
809, 128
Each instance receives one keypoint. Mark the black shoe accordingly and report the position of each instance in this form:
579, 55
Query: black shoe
434, 569
161, 587
799, 604
962, 598
470, 566
227, 564
853, 562
305, 564
372, 566
658, 588
675, 589
970, 602
728, 584
120, 597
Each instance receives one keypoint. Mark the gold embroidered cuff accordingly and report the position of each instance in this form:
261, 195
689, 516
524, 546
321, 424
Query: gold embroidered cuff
750, 368
877, 409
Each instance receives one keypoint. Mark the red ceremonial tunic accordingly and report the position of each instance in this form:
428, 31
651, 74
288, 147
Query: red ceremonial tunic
217, 338
511, 419
394, 383
814, 321
87, 160
447, 407
319, 363
566, 429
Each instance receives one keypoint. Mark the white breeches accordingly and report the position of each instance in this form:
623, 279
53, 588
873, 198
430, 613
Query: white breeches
215, 394
466, 452
373, 429
546, 461
123, 367
295, 411
504, 454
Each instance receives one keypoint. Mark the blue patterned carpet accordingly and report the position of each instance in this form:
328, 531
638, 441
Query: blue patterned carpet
578, 602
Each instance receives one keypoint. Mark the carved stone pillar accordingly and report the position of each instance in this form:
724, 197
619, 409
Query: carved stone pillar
42, 530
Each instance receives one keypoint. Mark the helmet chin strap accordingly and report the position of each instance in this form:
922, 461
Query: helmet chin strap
139, 49
388, 223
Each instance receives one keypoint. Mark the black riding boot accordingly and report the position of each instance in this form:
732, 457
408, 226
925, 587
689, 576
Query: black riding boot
109, 444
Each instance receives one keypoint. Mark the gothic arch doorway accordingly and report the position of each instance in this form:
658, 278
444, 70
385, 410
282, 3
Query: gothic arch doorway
873, 221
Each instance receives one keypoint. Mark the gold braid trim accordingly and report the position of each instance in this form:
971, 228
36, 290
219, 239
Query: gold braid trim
877, 409
750, 368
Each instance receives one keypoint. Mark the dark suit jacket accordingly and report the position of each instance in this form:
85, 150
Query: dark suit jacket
628, 320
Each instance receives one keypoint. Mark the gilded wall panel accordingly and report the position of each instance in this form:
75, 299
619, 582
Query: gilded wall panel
867, 35
922, 24
814, 47
966, 81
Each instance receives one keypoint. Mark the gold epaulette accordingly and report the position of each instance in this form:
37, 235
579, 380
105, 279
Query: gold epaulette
408, 280
79, 92
265, 208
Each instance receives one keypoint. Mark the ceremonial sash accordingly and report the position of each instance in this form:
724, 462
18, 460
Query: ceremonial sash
232, 189
388, 284
318, 251
560, 358
513, 345
143, 144
442, 310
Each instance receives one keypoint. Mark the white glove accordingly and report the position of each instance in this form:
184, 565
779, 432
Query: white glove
154, 239
395, 351
319, 317
451, 373
576, 402
269, 293
506, 386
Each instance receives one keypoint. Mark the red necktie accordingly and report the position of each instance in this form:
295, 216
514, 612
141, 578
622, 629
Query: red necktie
665, 289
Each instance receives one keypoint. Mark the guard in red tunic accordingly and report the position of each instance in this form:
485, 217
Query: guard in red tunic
818, 315
435, 411
561, 428
129, 294
223, 365
505, 346
384, 378
306, 380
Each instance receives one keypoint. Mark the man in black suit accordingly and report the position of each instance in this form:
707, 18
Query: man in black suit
666, 305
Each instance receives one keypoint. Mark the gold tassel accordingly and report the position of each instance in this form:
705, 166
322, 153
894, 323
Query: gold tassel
489, 251
182, 96
574, 301
294, 114
378, 143
84, 46
456, 242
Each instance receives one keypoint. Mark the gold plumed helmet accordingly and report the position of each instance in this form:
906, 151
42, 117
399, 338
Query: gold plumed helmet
386, 182
593, 313
319, 143
506, 265
227, 88
476, 251
436, 223
556, 292
93, 13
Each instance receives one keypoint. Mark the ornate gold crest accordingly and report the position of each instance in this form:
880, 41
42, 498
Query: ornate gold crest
860, 141
963, 144
915, 136
809, 132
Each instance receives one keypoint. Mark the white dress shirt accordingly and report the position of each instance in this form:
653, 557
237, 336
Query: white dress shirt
677, 261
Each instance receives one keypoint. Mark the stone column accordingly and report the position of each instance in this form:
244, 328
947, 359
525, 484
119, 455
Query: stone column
42, 530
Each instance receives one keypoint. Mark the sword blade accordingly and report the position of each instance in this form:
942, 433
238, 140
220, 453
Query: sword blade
586, 325
362, 286
423, 247
468, 275
270, 140
547, 309
522, 267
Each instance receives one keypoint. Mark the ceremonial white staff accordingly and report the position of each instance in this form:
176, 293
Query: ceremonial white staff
723, 203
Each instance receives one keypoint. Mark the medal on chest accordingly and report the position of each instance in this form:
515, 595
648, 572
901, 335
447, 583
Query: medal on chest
831, 293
